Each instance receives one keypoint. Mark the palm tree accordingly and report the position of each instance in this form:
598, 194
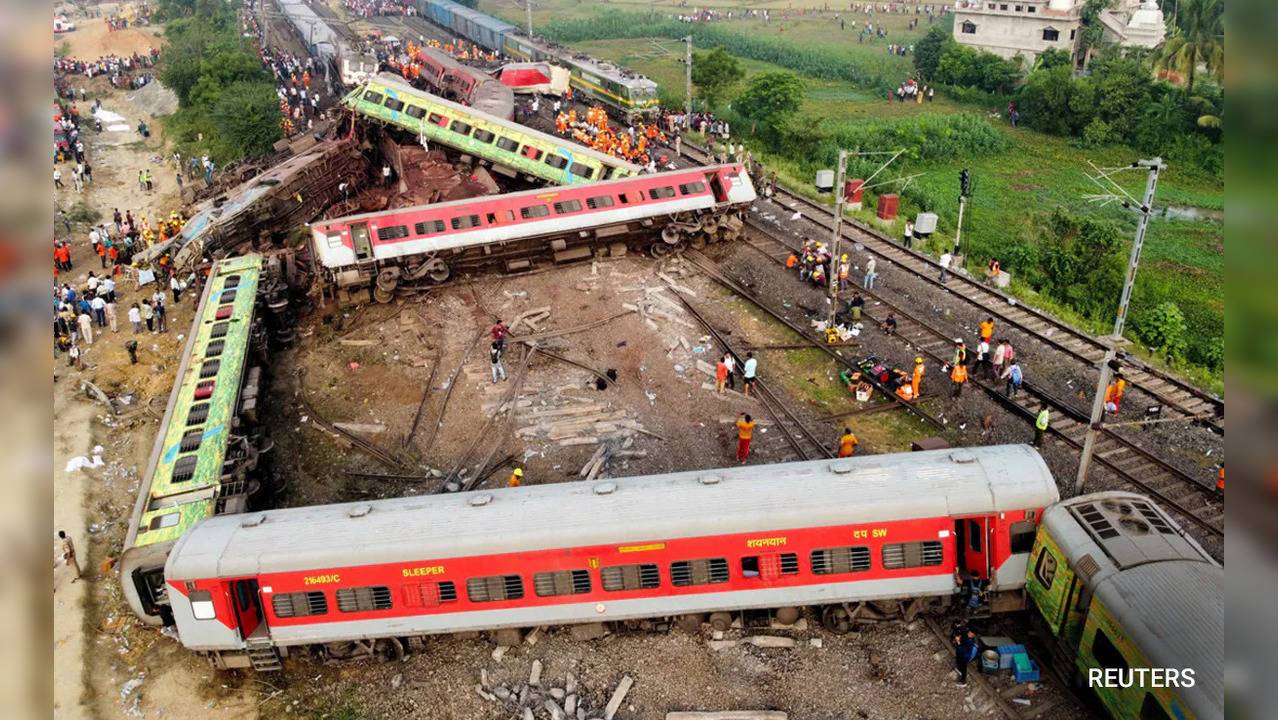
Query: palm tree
1198, 39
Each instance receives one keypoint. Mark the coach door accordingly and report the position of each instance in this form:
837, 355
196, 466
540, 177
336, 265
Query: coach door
975, 537
359, 237
248, 606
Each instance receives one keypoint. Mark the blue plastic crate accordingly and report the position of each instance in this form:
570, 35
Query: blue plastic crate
1006, 653
1024, 669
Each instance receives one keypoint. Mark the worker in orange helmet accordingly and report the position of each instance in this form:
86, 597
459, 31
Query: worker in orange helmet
516, 478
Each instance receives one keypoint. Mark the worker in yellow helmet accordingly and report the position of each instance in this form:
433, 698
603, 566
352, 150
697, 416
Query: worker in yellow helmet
516, 478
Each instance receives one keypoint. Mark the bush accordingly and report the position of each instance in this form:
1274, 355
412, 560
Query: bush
963, 66
82, 212
1098, 132
1195, 150
1163, 329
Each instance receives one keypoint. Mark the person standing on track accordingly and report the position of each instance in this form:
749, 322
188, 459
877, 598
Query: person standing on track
731, 363
909, 234
1114, 394
749, 371
870, 275
987, 329
499, 333
720, 376
1013, 377
1040, 425
847, 443
916, 378
745, 432
958, 376
964, 650
68, 554
946, 259
494, 358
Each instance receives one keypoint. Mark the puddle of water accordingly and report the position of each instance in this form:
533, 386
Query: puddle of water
1189, 213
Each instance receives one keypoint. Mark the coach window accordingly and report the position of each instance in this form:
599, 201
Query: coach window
603, 201
692, 188
299, 604
460, 127
642, 576
835, 561
925, 553
483, 135
580, 170
494, 588
334, 240
202, 604
974, 536
1151, 709
568, 206
373, 97
1045, 568
167, 520
1021, 535
363, 599
561, 582
429, 227
558, 162
1106, 654
661, 193
769, 566
429, 594
393, 104
437, 119
534, 211
394, 232
710, 571
531, 152
417, 113
507, 144
464, 222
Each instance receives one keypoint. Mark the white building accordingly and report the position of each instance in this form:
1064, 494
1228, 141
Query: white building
1009, 28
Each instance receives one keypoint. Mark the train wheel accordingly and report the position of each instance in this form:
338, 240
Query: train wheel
438, 271
709, 223
389, 650
836, 620
670, 235
698, 241
721, 621
691, 624
660, 249
787, 615
383, 296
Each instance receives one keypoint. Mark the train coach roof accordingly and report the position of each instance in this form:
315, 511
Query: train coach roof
698, 503
1174, 611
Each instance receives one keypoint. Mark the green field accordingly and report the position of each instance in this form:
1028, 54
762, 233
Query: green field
1013, 188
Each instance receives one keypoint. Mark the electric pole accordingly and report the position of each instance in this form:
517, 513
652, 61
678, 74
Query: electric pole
528, 13
964, 188
1145, 209
687, 61
832, 276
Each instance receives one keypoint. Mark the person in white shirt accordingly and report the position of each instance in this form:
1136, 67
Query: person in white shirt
946, 259
748, 372
98, 305
135, 317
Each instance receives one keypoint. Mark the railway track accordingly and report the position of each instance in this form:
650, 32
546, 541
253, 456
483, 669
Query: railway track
1193, 500
1171, 392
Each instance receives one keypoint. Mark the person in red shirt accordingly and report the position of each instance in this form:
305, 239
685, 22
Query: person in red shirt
720, 376
745, 432
499, 333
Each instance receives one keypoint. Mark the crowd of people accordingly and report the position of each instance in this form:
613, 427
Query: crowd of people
373, 8
298, 101
406, 59
634, 144
105, 65
912, 91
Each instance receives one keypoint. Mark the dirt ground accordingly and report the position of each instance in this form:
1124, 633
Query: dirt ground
91, 39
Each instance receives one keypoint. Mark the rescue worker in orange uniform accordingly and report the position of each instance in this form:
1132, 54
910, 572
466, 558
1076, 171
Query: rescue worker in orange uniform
847, 443
958, 376
516, 478
987, 329
917, 378
1114, 394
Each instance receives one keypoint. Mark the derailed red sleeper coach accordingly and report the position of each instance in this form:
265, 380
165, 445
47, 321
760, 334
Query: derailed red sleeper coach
824, 533
658, 212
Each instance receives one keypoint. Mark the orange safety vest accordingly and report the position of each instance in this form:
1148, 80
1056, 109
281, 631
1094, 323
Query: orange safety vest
791, 261
960, 374
987, 330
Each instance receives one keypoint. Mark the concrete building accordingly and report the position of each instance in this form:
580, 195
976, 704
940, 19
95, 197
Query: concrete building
1009, 28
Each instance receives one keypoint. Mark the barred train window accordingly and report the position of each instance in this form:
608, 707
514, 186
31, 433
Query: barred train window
561, 582
603, 201
393, 232
692, 188
534, 211
661, 193
507, 144
363, 599
709, 571
581, 170
769, 566
630, 577
495, 587
428, 594
429, 227
463, 222
437, 119
925, 553
835, 561
483, 136
373, 97
460, 127
414, 112
393, 105
556, 161
568, 206
299, 604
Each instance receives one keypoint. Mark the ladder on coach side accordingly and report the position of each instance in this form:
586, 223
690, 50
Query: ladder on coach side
262, 653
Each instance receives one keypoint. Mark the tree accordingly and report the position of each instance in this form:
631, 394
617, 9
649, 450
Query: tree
770, 98
928, 51
1163, 121
1050, 101
1164, 329
1123, 86
1199, 39
246, 119
714, 74
1050, 58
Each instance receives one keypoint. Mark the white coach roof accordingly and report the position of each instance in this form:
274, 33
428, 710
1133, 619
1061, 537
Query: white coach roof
816, 493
